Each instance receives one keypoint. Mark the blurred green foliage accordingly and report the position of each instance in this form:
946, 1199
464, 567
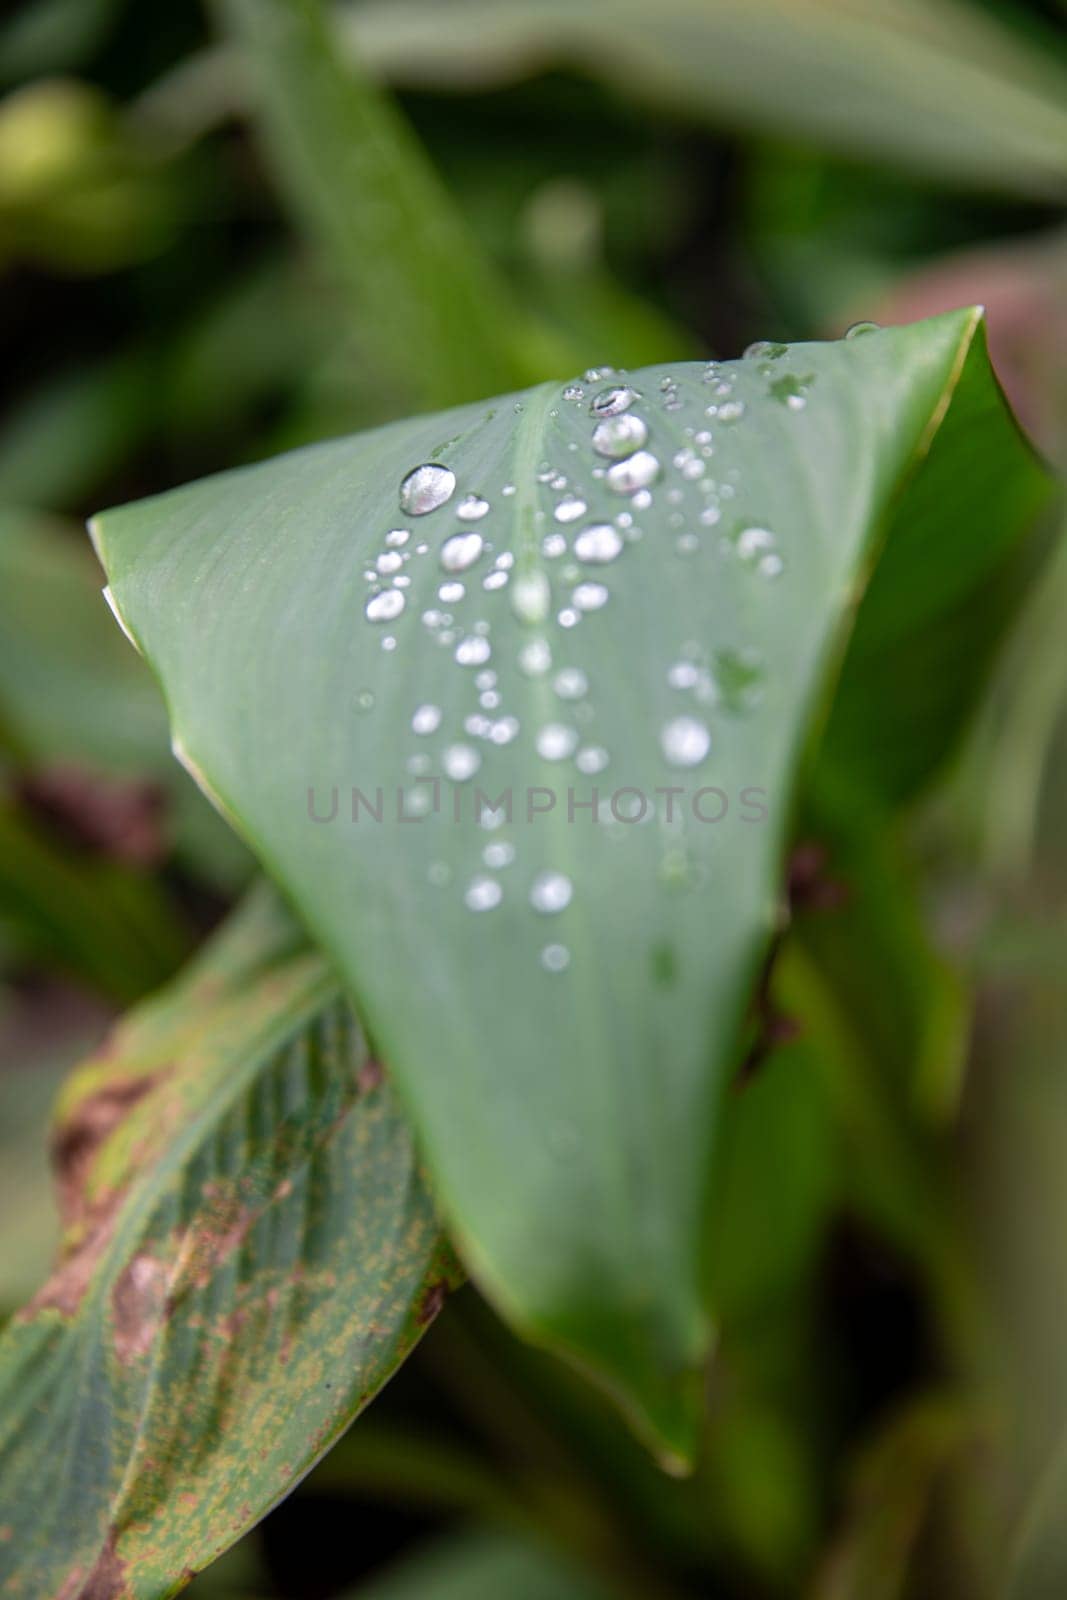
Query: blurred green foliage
192, 279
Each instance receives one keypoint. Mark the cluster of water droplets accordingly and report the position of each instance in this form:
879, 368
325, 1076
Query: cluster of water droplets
560, 575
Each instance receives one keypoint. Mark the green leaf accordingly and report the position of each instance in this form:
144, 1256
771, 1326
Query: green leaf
354, 175
249, 1253
568, 1116
483, 1566
932, 85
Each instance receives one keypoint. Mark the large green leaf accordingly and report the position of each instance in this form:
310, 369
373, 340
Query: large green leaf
249, 1253
563, 1067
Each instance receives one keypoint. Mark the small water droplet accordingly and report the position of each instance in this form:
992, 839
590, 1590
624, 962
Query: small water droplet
683, 675
731, 410
590, 596
619, 436
461, 551
389, 561
551, 892
571, 683
591, 759
574, 391
553, 545
483, 893
685, 742
600, 542
397, 537
531, 597
495, 580
365, 700
450, 593
426, 719
439, 874
570, 508
638, 471
499, 854
460, 761
555, 958
766, 350
609, 402
555, 741
474, 651
426, 488
504, 730
535, 658
858, 329
385, 606
472, 508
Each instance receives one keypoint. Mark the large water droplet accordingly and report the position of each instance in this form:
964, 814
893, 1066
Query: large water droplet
385, 606
619, 436
426, 719
598, 543
551, 892
609, 402
461, 551
426, 488
483, 893
636, 472
685, 742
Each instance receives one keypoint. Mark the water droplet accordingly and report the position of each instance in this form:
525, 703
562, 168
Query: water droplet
461, 551
439, 874
752, 542
683, 675
553, 545
731, 411
498, 854
483, 893
474, 651
385, 606
766, 350
619, 436
555, 958
590, 596
685, 742
495, 580
365, 700
450, 593
571, 683
574, 391
426, 488
551, 892
609, 402
858, 329
460, 761
504, 730
426, 719
636, 472
599, 542
591, 759
570, 508
472, 508
535, 658
389, 561
555, 741
531, 597
397, 537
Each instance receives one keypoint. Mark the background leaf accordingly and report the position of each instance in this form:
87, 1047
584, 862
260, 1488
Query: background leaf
249, 1253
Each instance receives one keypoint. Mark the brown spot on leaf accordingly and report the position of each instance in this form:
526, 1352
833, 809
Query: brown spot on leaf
138, 1303
433, 1298
80, 1136
371, 1074
107, 1581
